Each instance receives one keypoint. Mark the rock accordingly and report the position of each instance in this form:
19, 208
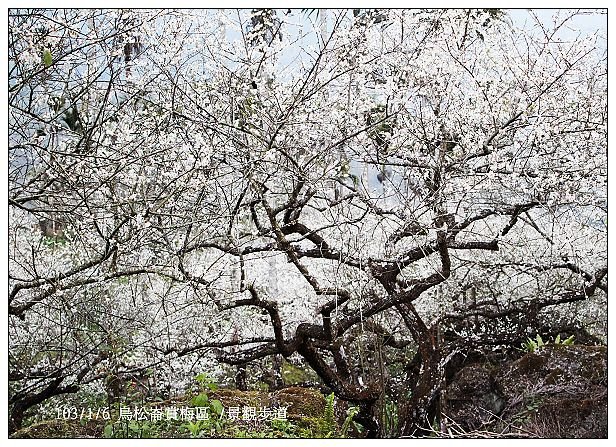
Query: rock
300, 402
473, 398
556, 392
238, 398
559, 365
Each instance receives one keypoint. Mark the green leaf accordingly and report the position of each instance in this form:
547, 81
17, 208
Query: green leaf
205, 381
557, 341
200, 378
47, 58
530, 345
146, 430
200, 400
193, 427
108, 431
569, 341
216, 406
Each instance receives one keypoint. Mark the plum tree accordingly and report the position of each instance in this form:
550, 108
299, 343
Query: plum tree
250, 184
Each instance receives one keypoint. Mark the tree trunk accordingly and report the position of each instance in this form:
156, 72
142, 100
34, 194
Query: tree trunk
423, 409
366, 418
240, 378
21, 405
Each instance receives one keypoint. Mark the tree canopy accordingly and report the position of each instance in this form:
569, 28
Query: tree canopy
192, 189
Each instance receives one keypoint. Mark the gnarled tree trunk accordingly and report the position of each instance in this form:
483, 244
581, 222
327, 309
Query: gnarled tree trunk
422, 410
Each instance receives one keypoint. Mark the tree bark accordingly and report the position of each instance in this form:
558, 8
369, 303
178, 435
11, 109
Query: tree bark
21, 405
418, 414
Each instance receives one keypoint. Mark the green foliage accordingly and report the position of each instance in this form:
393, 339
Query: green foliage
326, 425
215, 426
216, 407
200, 400
135, 429
215, 423
328, 415
390, 419
205, 382
283, 429
531, 406
314, 427
531, 345
277, 428
123, 280
292, 375
282, 425
54, 241
47, 57
346, 425
194, 428
204, 428
566, 342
